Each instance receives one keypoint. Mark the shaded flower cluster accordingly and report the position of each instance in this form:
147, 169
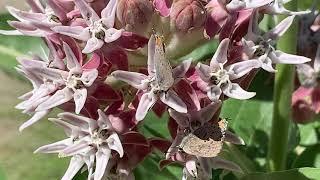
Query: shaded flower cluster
112, 62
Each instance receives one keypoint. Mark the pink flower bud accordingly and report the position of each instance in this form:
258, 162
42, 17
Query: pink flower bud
134, 12
187, 14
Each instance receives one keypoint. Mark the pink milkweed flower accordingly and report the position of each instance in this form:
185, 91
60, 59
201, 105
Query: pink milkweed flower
277, 7
310, 76
163, 7
73, 84
37, 22
219, 78
261, 47
90, 142
99, 30
159, 81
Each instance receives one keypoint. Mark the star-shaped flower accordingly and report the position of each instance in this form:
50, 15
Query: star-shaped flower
159, 81
219, 78
99, 30
262, 47
90, 142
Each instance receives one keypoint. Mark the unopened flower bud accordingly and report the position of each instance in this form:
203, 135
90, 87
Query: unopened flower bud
136, 13
187, 14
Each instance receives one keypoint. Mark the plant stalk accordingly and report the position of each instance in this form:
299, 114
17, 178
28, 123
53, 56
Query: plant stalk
283, 88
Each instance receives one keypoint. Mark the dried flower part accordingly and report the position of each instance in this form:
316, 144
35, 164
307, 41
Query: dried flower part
136, 13
187, 14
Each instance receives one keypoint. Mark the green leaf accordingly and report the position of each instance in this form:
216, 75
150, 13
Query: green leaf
294, 174
14, 46
308, 133
201, 53
2, 174
310, 157
153, 126
149, 169
81, 175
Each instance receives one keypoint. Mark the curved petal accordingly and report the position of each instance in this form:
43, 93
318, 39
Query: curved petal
56, 147
208, 112
75, 165
92, 44
231, 137
80, 97
285, 58
103, 121
233, 90
146, 102
137, 80
115, 144
108, 13
58, 98
204, 71
86, 11
266, 64
240, 69
280, 29
35, 118
171, 99
102, 159
72, 61
191, 167
181, 118
218, 163
78, 147
88, 77
221, 54
77, 32
180, 70
112, 34
214, 93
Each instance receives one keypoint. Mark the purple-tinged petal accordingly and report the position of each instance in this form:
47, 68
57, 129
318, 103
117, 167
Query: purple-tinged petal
82, 122
54, 147
191, 167
130, 40
54, 60
10, 32
253, 28
181, 70
203, 71
162, 6
188, 95
93, 63
35, 6
108, 13
240, 69
27, 29
102, 159
69, 129
137, 80
171, 99
146, 102
280, 29
77, 32
235, 5
58, 10
103, 121
35, 118
151, 52
209, 111
78, 147
284, 58
316, 63
181, 118
232, 138
233, 90
257, 3
218, 163
114, 143
60, 97
88, 77
92, 45
221, 54
86, 11
48, 73
266, 63
112, 34
72, 61
75, 165
214, 93
80, 97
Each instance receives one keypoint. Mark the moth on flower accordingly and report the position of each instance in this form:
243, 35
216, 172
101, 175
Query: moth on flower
262, 47
159, 81
219, 77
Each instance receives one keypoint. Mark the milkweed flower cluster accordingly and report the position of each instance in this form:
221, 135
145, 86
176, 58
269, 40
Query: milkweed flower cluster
111, 62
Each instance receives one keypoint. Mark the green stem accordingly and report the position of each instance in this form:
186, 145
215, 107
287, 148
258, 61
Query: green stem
283, 88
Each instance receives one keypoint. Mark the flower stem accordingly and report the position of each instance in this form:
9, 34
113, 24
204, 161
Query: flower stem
283, 88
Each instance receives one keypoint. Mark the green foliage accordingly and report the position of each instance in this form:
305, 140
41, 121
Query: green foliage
294, 174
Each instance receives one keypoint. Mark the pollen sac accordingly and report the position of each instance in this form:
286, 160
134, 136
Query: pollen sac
187, 14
